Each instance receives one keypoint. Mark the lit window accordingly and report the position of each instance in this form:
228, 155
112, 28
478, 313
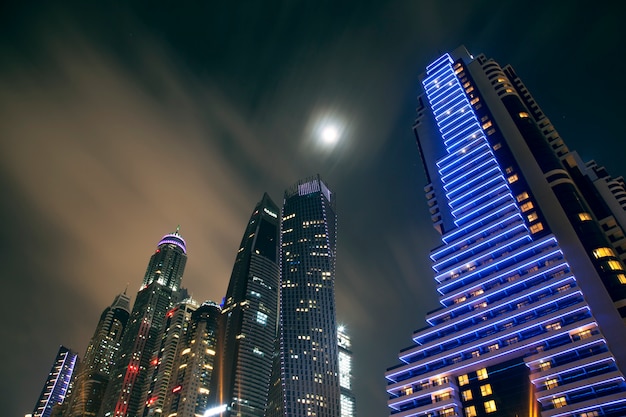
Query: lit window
614, 265
475, 353
467, 395
522, 196
459, 300
463, 380
493, 347
537, 227
487, 125
447, 412
408, 391
603, 252
523, 115
621, 278
551, 383
508, 170
485, 390
474, 101
584, 217
482, 374
527, 206
497, 146
584, 334
590, 414
490, 406
532, 217
544, 366
261, 318
509, 90
469, 90
512, 178
559, 402
470, 411
553, 326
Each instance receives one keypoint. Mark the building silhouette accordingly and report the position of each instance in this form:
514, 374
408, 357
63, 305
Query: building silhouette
95, 369
126, 394
57, 383
530, 273
308, 350
190, 381
249, 317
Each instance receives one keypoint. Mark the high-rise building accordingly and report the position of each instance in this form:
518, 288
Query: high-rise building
348, 401
177, 321
530, 273
190, 383
126, 394
249, 316
95, 368
57, 383
309, 374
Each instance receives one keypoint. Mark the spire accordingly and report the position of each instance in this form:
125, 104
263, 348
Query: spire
177, 230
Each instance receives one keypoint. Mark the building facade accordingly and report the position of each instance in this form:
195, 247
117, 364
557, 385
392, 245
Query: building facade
348, 400
530, 273
126, 394
177, 322
309, 374
57, 383
190, 383
95, 369
249, 317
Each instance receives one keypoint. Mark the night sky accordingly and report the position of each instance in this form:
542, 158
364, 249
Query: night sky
119, 122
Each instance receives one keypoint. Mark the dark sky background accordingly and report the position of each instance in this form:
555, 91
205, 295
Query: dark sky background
120, 121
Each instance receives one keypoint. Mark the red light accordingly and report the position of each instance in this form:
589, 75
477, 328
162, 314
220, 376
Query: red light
177, 388
155, 361
157, 251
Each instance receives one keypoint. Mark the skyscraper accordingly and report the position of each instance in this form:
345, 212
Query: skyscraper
190, 383
57, 383
177, 321
248, 321
530, 273
126, 393
348, 406
95, 369
308, 330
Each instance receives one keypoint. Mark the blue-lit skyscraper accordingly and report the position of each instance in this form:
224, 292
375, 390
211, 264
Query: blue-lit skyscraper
530, 272
57, 383
308, 332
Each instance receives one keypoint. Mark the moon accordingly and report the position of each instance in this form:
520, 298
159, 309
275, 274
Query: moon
330, 134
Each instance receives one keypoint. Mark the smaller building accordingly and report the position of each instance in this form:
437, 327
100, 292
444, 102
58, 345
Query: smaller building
57, 383
348, 406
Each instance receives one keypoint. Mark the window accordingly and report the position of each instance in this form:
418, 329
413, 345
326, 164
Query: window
603, 252
493, 347
485, 390
559, 402
467, 395
589, 414
487, 125
553, 326
482, 374
522, 196
447, 412
475, 353
508, 170
490, 406
614, 265
584, 217
474, 100
537, 227
527, 206
408, 391
523, 115
512, 178
621, 278
544, 366
584, 334
532, 216
470, 411
551, 383
463, 380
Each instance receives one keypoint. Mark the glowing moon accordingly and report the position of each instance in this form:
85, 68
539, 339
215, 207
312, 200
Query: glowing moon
330, 134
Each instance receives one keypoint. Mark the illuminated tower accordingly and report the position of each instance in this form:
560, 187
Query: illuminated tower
177, 321
248, 322
530, 272
189, 388
348, 406
308, 329
57, 383
126, 393
95, 369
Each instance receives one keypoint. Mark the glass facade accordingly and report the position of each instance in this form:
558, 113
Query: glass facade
524, 319
57, 383
308, 332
